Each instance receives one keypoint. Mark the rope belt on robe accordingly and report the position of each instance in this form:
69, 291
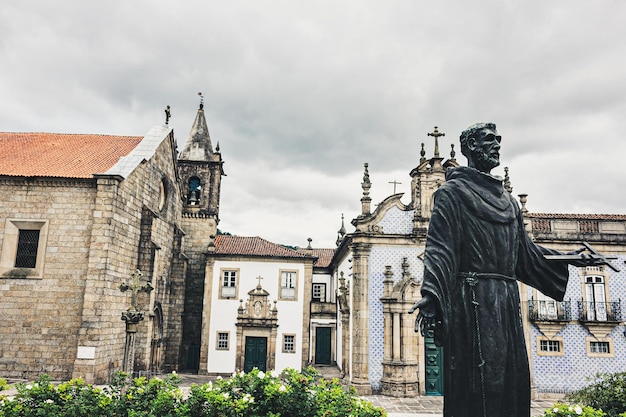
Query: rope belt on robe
472, 278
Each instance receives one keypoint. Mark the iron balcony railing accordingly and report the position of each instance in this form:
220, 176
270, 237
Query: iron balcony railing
593, 311
549, 310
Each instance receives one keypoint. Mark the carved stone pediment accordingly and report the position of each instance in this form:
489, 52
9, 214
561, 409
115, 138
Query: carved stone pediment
599, 329
549, 329
257, 310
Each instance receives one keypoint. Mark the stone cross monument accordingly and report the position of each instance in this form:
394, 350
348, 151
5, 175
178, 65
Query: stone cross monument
132, 317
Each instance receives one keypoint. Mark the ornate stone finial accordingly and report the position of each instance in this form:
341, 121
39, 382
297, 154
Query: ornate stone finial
452, 153
341, 232
523, 198
507, 180
394, 182
388, 281
436, 134
201, 100
422, 155
217, 147
366, 185
366, 177
405, 268
168, 114
258, 286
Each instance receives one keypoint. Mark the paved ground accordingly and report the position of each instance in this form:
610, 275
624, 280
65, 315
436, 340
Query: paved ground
431, 406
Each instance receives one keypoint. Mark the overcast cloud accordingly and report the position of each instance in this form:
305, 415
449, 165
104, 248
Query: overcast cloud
299, 94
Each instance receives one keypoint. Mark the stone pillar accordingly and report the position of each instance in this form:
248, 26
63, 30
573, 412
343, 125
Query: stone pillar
360, 319
132, 319
397, 341
206, 313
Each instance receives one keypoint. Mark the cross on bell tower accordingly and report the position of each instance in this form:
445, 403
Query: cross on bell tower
436, 134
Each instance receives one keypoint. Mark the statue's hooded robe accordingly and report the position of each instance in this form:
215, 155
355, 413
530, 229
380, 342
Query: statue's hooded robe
476, 250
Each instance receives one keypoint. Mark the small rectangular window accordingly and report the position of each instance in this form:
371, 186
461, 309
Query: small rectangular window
600, 347
27, 245
222, 341
319, 292
550, 346
288, 285
229, 284
289, 343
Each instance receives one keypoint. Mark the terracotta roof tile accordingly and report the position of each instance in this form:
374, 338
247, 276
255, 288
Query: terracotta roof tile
323, 255
61, 155
253, 246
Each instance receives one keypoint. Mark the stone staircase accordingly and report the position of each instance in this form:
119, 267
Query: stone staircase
328, 371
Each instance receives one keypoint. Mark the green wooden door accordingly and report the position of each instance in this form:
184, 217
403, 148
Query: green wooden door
434, 366
256, 354
322, 345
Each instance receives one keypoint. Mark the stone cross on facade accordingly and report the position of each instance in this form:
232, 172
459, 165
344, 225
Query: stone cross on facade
259, 278
135, 286
132, 317
436, 134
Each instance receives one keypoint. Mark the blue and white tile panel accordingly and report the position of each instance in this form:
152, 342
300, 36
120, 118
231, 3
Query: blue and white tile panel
570, 372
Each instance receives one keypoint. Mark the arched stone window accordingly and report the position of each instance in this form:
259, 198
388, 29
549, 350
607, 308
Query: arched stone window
193, 191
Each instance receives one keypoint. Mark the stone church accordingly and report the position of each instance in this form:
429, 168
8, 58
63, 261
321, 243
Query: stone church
80, 214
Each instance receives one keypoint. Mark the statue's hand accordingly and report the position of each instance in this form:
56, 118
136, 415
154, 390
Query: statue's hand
585, 259
427, 317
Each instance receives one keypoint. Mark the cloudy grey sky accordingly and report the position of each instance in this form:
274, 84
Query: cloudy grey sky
299, 94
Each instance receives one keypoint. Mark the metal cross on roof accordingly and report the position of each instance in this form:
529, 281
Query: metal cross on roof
394, 182
436, 134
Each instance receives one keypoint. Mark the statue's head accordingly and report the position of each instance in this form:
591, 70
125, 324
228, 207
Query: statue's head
480, 143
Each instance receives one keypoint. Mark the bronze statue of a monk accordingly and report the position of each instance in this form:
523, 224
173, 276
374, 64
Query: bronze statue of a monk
476, 251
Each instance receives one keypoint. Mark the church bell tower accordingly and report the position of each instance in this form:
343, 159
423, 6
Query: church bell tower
200, 170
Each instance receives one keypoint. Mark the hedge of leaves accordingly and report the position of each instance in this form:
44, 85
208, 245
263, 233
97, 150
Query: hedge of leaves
604, 396
606, 392
244, 394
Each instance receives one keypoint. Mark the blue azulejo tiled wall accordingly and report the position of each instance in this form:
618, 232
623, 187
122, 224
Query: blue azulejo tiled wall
571, 371
381, 256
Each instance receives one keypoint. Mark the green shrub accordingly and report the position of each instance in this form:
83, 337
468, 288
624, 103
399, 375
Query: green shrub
269, 394
575, 410
252, 394
606, 392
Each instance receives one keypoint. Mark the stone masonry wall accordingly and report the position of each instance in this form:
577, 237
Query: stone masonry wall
41, 316
114, 255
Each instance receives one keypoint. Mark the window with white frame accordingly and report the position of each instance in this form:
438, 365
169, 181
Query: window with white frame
288, 285
546, 307
289, 343
222, 340
319, 292
550, 346
600, 347
595, 298
229, 283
